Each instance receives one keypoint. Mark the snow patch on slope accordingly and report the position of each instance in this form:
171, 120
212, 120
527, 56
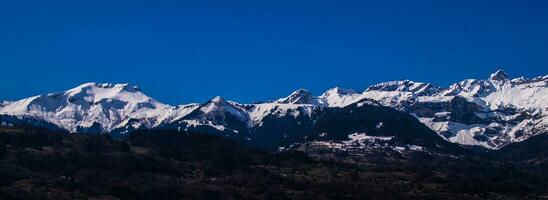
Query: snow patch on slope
338, 97
258, 112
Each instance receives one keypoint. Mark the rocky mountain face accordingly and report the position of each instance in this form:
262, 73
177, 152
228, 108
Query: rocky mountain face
488, 113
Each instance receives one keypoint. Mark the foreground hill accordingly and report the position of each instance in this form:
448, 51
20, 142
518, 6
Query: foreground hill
38, 164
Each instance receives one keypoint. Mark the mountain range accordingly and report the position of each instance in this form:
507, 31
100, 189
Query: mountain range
489, 113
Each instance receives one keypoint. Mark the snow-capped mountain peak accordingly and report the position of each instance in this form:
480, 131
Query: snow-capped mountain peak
218, 100
218, 107
300, 96
338, 91
97, 92
499, 75
89, 104
338, 97
82, 96
478, 88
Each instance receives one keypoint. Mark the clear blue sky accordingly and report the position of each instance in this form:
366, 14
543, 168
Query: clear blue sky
258, 50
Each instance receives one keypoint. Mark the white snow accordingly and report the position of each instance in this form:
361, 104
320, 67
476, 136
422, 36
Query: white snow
523, 96
219, 105
338, 97
111, 105
259, 111
196, 123
300, 96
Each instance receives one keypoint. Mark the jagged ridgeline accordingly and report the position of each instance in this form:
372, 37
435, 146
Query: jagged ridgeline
487, 113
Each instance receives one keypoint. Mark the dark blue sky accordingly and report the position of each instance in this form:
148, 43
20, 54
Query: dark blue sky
257, 50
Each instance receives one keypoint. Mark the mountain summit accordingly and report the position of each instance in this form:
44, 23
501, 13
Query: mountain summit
95, 107
499, 75
300, 96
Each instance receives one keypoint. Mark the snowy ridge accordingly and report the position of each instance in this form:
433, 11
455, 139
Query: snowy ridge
300, 96
417, 88
109, 105
218, 111
489, 113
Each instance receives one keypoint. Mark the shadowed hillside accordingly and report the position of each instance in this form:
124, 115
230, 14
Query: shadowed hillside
168, 165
